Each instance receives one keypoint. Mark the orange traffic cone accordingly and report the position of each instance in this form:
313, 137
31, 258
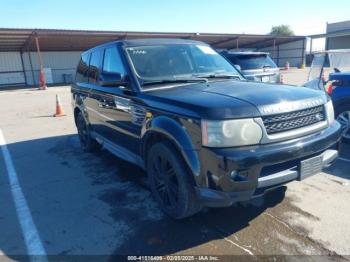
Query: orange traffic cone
59, 108
281, 79
42, 82
286, 66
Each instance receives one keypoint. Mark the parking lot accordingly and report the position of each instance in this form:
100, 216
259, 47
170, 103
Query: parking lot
96, 204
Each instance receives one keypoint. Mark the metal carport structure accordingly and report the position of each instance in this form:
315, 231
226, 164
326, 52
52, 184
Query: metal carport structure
17, 42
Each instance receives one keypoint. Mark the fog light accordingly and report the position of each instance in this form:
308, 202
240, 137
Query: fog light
233, 174
239, 176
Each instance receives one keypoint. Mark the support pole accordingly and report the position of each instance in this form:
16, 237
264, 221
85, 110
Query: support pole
237, 43
274, 49
23, 69
31, 66
302, 64
310, 57
311, 46
42, 82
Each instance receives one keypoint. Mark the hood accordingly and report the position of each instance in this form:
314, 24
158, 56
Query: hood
269, 98
231, 99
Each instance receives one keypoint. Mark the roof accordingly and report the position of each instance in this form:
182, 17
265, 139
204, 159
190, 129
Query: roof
246, 53
147, 41
153, 41
345, 32
333, 51
79, 40
338, 26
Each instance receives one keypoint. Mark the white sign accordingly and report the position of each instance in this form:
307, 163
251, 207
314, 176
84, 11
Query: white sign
206, 49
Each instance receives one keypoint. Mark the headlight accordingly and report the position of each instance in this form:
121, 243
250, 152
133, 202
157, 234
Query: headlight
330, 112
229, 133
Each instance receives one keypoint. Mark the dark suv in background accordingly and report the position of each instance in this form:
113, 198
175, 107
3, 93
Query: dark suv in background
255, 66
204, 135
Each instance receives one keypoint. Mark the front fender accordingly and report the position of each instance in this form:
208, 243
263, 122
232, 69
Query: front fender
177, 134
338, 103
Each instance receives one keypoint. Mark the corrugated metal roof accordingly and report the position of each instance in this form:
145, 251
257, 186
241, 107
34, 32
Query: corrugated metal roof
79, 40
345, 32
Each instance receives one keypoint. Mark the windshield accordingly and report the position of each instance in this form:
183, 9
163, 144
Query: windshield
335, 59
325, 62
253, 61
340, 60
178, 61
317, 66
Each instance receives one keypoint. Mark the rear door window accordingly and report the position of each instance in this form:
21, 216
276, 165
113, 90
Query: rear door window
95, 65
83, 68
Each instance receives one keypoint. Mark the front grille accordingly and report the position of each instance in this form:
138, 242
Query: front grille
293, 120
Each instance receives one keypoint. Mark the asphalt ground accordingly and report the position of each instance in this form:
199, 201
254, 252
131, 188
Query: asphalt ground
67, 202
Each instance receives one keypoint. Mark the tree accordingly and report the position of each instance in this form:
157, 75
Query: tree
281, 30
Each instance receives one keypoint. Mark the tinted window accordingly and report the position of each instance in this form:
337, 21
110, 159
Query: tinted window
209, 63
253, 61
82, 70
112, 62
95, 63
171, 61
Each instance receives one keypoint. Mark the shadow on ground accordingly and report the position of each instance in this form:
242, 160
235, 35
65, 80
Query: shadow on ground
153, 232
162, 235
342, 166
95, 203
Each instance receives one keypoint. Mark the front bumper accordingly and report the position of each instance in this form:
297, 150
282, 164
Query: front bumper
259, 169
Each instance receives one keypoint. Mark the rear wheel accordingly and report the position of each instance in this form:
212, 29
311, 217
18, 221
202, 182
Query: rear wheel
88, 144
170, 181
343, 117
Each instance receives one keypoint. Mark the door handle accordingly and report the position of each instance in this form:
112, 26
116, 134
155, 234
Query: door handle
103, 104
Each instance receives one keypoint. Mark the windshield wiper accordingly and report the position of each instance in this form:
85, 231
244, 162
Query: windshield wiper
176, 80
223, 76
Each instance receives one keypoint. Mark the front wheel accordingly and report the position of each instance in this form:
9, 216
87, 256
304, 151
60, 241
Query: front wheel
343, 117
170, 181
88, 144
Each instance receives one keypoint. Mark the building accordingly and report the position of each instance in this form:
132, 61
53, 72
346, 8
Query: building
22, 50
337, 36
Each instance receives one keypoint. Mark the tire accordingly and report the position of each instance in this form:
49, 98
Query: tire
170, 181
343, 117
88, 144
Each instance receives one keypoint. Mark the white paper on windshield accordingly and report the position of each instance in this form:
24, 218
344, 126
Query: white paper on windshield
206, 49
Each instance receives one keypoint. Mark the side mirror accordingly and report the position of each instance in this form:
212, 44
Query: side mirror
238, 67
113, 79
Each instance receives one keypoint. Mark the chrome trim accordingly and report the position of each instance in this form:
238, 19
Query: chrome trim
328, 157
166, 87
289, 134
278, 178
118, 150
286, 107
98, 113
138, 115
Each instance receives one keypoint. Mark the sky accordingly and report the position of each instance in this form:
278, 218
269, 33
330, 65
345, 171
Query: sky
220, 16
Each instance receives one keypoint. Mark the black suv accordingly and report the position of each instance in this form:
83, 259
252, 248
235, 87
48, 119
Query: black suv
204, 135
